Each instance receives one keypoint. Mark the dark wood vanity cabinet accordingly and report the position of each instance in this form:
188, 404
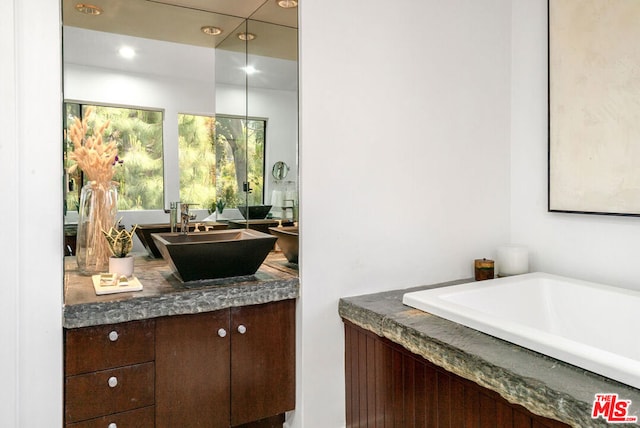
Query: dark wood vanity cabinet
109, 375
388, 386
232, 367
225, 368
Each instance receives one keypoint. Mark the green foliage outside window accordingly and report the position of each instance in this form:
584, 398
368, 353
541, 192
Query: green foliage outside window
197, 159
216, 157
255, 157
214, 163
138, 136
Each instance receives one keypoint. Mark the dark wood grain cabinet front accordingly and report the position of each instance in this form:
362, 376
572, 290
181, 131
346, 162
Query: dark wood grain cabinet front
139, 418
226, 368
90, 349
192, 364
262, 361
232, 367
109, 370
109, 391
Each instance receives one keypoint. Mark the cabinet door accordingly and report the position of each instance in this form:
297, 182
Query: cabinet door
262, 361
192, 370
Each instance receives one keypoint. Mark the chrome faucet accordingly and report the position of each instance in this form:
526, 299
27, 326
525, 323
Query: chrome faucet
173, 215
185, 217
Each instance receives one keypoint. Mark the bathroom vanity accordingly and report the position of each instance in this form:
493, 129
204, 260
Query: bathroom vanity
405, 367
210, 354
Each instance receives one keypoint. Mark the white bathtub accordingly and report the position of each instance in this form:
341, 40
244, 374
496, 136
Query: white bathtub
589, 325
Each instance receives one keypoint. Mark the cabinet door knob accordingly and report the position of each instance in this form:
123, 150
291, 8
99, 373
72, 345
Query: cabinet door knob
113, 381
112, 425
242, 329
113, 336
222, 332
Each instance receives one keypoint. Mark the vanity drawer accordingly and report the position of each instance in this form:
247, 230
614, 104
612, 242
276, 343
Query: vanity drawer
140, 418
109, 391
101, 347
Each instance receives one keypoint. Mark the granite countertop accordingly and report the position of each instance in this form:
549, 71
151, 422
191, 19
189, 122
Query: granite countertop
163, 294
545, 386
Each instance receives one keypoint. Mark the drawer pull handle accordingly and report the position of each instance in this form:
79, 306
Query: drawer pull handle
242, 329
113, 336
113, 381
222, 332
112, 425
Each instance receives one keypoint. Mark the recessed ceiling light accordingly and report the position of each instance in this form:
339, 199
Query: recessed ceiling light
88, 9
246, 36
211, 30
250, 69
127, 52
288, 4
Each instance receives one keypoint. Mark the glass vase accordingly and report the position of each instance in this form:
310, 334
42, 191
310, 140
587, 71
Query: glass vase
97, 211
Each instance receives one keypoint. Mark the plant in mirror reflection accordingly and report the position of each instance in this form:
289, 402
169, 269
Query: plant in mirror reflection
217, 206
220, 205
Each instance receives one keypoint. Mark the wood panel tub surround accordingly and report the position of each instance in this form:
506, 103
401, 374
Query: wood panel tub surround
388, 386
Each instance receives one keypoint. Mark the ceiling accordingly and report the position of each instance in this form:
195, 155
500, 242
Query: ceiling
179, 21
99, 49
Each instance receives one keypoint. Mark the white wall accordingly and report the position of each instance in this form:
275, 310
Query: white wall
9, 356
404, 160
30, 185
598, 248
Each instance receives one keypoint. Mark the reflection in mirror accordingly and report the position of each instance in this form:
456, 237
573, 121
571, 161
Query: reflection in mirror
262, 68
279, 170
272, 85
197, 81
128, 128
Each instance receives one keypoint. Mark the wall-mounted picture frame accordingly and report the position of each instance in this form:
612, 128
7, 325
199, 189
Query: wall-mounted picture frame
594, 106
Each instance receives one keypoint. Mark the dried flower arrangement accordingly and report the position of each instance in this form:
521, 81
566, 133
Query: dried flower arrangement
98, 201
120, 240
91, 155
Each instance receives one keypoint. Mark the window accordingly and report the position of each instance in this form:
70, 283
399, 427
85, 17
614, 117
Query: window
138, 136
218, 156
196, 145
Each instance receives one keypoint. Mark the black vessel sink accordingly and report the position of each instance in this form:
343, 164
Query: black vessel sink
144, 231
287, 241
217, 254
254, 212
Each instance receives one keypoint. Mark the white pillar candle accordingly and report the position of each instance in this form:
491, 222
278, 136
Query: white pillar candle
512, 260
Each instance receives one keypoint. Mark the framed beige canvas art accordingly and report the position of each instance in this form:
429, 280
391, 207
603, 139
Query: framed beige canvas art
594, 106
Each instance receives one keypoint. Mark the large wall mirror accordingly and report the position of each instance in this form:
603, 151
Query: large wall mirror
202, 102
